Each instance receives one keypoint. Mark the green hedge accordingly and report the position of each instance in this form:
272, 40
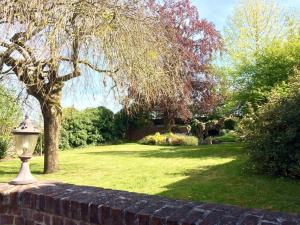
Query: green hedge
90, 127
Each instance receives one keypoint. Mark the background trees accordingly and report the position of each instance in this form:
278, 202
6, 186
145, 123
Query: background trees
257, 30
254, 25
262, 38
47, 43
10, 113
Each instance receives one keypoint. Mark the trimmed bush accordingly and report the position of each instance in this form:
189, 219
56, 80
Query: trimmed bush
272, 135
169, 139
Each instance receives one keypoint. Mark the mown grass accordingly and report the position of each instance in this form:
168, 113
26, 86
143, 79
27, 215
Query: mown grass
213, 173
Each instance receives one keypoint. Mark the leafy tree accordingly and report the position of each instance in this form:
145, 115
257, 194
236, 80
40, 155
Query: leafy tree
254, 25
197, 41
272, 66
47, 43
10, 114
272, 134
10, 111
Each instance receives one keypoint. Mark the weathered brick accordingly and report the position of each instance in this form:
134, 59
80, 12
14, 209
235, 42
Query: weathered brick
19, 220
47, 219
57, 220
65, 208
180, 213
25, 199
95, 215
28, 222
84, 211
27, 213
213, 218
4, 209
267, 223
38, 217
160, 216
229, 220
194, 217
75, 210
130, 213
63, 204
50, 205
41, 203
70, 222
288, 222
6, 219
106, 218
250, 220
270, 217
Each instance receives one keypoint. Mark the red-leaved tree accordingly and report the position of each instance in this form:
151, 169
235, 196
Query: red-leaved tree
197, 41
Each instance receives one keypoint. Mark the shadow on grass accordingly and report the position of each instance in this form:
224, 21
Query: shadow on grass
14, 170
232, 183
203, 151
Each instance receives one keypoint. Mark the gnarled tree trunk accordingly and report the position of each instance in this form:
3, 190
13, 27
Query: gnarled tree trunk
52, 115
52, 120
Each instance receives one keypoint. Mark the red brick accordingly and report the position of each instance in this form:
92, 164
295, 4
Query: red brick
19, 220
6, 220
70, 222
38, 217
57, 220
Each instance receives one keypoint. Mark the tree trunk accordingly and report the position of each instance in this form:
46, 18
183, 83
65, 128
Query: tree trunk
168, 121
52, 123
52, 115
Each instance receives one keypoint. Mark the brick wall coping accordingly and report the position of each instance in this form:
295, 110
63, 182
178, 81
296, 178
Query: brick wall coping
65, 204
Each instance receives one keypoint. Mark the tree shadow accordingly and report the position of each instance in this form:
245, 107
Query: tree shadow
13, 170
203, 151
232, 183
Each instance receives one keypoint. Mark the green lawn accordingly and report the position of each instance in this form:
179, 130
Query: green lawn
207, 173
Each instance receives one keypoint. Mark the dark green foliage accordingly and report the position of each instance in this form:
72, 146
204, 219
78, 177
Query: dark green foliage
272, 135
140, 119
4, 145
120, 124
229, 124
88, 127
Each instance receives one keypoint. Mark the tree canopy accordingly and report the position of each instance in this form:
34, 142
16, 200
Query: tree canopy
255, 24
46, 43
197, 42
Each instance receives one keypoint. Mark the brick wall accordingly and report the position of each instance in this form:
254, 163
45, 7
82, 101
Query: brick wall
64, 204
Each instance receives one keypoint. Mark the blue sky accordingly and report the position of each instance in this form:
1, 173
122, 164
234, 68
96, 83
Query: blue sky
215, 11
